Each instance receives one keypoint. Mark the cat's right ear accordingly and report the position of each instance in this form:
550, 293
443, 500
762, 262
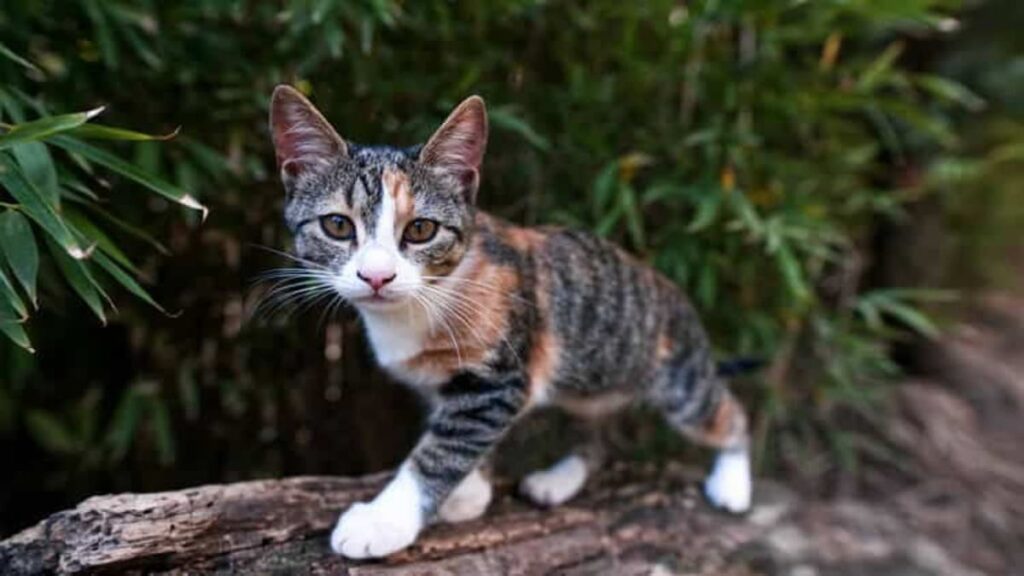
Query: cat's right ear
303, 139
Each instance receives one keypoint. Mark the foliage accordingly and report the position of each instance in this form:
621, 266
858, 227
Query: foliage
747, 148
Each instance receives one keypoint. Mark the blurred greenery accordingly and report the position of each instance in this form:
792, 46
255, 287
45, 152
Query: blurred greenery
750, 149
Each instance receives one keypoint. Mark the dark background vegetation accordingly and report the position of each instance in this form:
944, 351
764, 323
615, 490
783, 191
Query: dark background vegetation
826, 179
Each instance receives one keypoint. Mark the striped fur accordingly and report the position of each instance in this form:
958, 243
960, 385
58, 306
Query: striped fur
490, 319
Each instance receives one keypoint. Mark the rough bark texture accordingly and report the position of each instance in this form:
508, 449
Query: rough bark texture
628, 522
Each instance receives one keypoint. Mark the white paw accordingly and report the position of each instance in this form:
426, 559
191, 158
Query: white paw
729, 485
469, 500
388, 524
557, 484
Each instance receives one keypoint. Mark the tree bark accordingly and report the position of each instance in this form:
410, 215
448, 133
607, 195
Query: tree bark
628, 521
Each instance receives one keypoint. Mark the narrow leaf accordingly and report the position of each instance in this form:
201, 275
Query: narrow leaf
81, 280
100, 132
19, 248
38, 167
48, 431
14, 57
111, 162
36, 207
44, 127
125, 279
10, 295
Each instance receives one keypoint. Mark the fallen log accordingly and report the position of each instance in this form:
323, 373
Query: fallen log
626, 522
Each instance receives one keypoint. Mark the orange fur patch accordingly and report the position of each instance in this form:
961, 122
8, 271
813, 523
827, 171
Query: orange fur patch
476, 323
397, 184
726, 425
665, 348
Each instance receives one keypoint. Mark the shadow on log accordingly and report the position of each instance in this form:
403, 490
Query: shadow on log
628, 522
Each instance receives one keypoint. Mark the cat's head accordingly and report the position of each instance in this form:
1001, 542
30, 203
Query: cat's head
378, 223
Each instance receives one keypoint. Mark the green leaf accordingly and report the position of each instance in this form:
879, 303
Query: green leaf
82, 281
124, 423
878, 69
952, 91
12, 328
14, 57
50, 432
161, 423
45, 127
37, 208
505, 119
10, 295
125, 279
792, 273
37, 165
111, 162
101, 132
93, 235
915, 319
634, 219
707, 212
104, 36
19, 248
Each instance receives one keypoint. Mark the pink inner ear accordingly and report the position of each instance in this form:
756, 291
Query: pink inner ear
301, 134
460, 141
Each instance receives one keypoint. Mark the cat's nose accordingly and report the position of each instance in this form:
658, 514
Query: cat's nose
376, 268
376, 280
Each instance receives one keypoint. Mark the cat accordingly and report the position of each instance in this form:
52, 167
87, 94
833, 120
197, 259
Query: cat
488, 320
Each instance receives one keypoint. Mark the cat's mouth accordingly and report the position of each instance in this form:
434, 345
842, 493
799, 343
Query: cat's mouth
377, 300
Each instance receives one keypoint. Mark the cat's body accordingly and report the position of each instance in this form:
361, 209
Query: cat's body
489, 320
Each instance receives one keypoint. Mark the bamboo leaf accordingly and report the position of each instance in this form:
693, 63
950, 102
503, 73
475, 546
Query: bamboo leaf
38, 167
37, 208
49, 432
101, 132
125, 279
19, 248
16, 333
115, 164
14, 57
81, 281
45, 127
10, 295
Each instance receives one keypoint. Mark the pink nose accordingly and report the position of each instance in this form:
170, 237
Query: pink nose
376, 280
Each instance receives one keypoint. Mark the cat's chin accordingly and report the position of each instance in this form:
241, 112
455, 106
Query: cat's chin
379, 303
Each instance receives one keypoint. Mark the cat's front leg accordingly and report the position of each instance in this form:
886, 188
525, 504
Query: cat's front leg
473, 413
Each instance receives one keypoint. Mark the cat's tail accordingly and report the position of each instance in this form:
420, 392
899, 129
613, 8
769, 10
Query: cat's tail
740, 366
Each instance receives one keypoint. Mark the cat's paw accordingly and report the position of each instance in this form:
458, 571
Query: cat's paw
729, 486
366, 530
469, 500
557, 484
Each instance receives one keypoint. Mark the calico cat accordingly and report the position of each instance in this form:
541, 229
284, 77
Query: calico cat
487, 319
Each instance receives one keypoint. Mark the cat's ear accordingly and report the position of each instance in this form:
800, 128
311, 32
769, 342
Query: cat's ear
303, 139
457, 147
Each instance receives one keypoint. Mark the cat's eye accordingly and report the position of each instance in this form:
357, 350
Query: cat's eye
338, 226
419, 231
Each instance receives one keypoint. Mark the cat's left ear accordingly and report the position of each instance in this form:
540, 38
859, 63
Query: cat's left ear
457, 147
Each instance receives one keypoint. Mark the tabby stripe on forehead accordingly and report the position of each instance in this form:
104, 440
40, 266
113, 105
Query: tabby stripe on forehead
371, 205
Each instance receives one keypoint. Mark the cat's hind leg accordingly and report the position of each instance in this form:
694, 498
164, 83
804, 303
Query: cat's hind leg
705, 411
565, 479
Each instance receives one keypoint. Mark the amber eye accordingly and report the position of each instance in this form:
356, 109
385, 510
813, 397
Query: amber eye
419, 231
338, 227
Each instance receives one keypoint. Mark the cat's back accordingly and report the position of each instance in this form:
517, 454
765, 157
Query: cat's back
604, 320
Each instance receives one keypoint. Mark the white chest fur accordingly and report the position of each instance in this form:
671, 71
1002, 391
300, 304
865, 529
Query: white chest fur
397, 336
